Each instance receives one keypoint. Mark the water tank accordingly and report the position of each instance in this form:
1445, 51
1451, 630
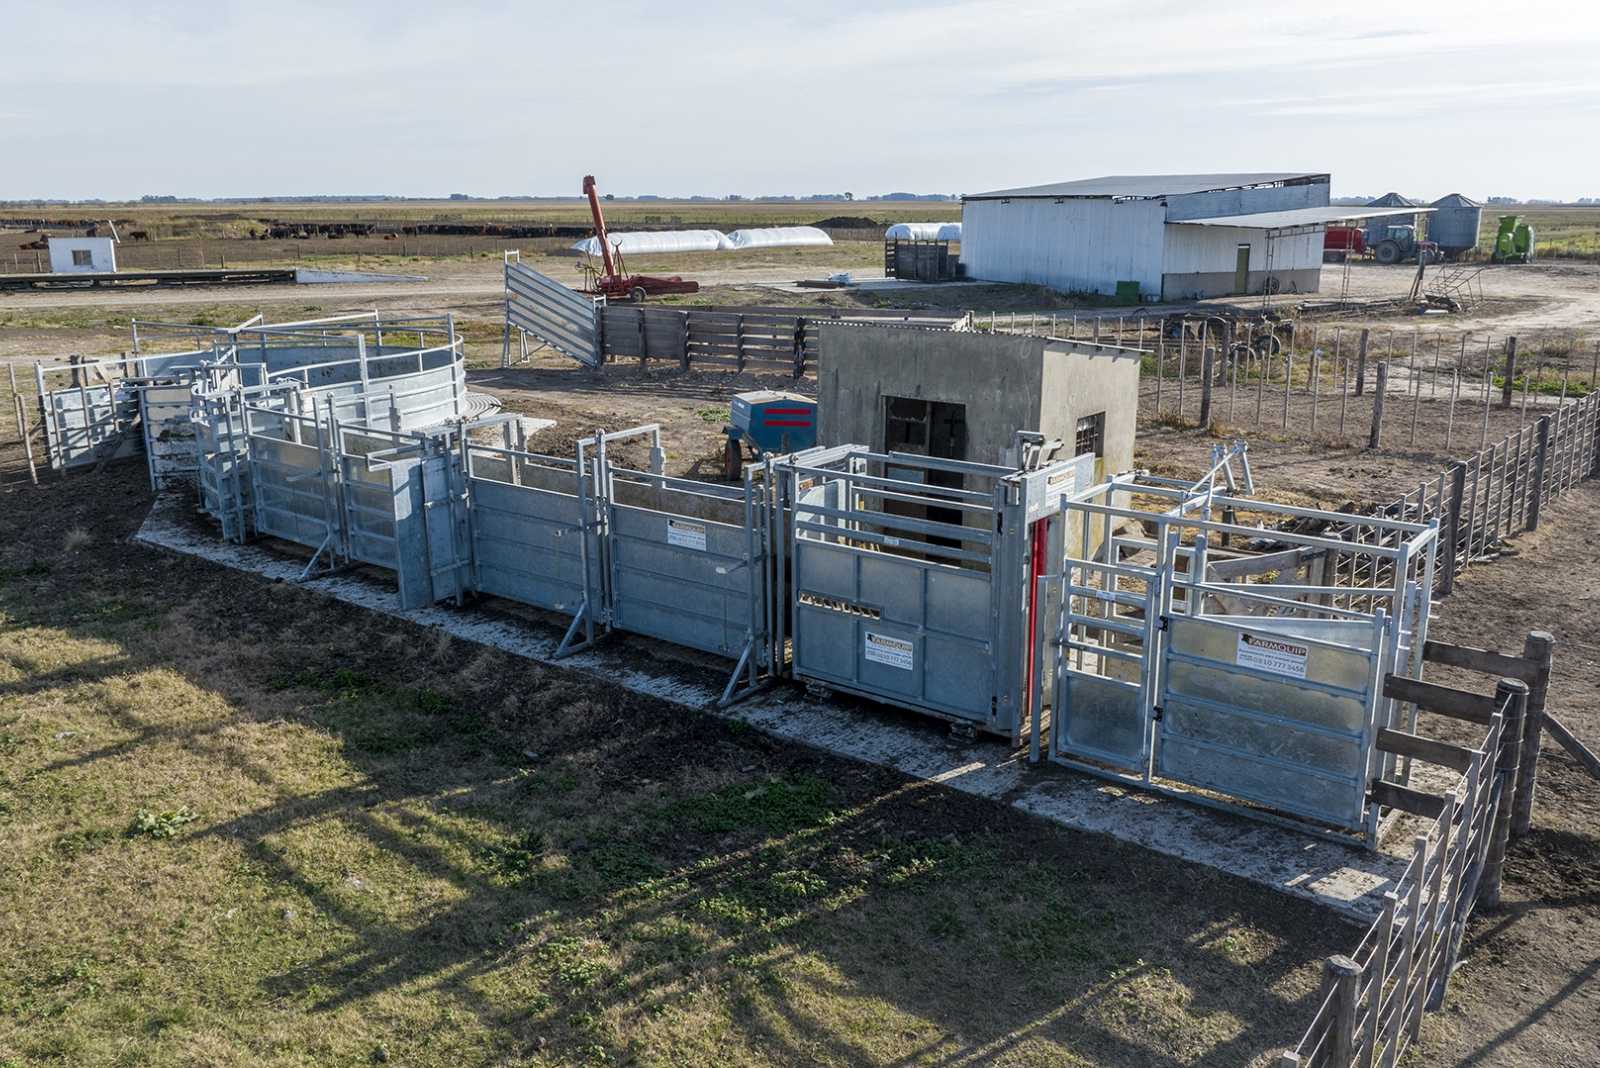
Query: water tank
1455, 223
1379, 225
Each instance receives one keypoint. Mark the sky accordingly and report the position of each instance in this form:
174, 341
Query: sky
118, 100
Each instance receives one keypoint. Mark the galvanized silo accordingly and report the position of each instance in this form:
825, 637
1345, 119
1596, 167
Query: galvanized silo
1455, 223
1378, 226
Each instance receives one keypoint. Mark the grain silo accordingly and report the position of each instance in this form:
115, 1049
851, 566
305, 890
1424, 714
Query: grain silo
1378, 225
1455, 224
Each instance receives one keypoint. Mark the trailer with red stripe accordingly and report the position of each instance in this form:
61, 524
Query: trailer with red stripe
769, 422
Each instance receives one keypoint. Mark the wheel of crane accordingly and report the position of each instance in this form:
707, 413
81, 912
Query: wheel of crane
637, 294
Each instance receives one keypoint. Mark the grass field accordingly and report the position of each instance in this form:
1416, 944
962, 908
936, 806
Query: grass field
163, 221
249, 826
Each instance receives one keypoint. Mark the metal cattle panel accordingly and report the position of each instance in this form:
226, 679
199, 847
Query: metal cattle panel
292, 497
564, 319
528, 545
220, 461
87, 424
445, 521
169, 434
910, 630
683, 579
1265, 715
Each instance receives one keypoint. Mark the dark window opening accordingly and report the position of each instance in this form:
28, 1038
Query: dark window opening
82, 257
1091, 435
926, 428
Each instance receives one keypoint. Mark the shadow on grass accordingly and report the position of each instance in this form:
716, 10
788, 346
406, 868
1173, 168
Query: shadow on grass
594, 876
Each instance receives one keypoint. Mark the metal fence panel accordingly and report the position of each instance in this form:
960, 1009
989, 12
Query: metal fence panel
529, 545
1254, 709
682, 578
291, 496
562, 318
169, 434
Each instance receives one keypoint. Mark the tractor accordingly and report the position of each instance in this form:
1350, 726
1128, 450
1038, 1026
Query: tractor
1399, 244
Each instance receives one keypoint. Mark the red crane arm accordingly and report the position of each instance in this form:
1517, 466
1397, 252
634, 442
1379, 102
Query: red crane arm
599, 224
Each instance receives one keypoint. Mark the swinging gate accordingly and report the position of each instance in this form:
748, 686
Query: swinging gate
1215, 654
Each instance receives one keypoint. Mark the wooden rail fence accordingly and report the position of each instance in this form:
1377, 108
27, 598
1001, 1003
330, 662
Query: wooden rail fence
1370, 1008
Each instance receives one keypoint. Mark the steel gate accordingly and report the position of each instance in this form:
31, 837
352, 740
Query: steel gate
535, 535
1226, 655
564, 319
909, 587
1276, 711
687, 562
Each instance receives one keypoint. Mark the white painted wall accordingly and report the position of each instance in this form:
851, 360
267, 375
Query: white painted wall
102, 252
1076, 246
1198, 249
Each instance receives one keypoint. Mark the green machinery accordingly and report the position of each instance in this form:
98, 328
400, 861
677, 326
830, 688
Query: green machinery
1513, 242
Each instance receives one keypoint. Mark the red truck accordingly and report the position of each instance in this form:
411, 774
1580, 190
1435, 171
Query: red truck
1341, 242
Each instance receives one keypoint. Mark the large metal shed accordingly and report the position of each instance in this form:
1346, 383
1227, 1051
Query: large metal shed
1090, 235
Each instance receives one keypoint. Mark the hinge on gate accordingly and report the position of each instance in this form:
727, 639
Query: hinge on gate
1162, 622
1156, 712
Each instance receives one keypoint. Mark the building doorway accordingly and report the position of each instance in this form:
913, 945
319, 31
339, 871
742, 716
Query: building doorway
1241, 269
926, 428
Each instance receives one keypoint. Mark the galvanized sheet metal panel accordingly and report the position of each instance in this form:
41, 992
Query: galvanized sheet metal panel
567, 321
528, 545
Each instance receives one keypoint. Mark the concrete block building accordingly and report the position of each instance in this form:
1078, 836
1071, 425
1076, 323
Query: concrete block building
1173, 237
69, 255
961, 396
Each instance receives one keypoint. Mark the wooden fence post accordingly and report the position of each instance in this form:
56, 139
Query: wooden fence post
1205, 385
1344, 975
1361, 361
1452, 527
1382, 387
1511, 371
1513, 694
1538, 647
1536, 487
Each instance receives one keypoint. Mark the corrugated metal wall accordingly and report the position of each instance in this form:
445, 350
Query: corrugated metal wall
1077, 246
1245, 201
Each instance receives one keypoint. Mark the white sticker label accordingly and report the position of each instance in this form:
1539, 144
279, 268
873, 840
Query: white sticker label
892, 652
686, 535
1276, 655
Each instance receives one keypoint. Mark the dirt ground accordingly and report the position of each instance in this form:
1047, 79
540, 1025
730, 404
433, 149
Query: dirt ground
1526, 995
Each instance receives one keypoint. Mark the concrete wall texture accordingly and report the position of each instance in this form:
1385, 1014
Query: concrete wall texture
1007, 383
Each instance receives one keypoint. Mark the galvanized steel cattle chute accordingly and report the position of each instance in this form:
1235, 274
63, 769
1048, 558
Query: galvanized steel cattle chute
1180, 637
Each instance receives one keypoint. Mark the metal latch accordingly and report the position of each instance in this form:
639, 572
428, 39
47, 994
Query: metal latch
1156, 712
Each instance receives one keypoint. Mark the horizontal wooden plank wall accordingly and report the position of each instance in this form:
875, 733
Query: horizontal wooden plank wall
754, 338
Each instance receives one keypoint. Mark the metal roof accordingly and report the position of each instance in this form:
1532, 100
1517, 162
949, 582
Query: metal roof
1393, 200
1148, 185
1456, 200
1282, 220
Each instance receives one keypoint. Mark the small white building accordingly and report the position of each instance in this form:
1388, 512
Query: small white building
82, 254
1174, 236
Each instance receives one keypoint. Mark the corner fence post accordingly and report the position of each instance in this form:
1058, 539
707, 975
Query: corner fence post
1511, 372
1361, 361
1344, 975
1452, 527
1513, 694
1376, 433
1538, 647
1541, 453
